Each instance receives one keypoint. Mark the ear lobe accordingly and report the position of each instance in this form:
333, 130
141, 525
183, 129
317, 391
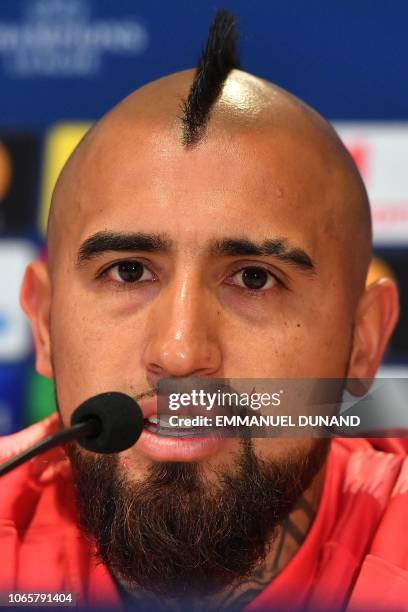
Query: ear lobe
376, 317
35, 300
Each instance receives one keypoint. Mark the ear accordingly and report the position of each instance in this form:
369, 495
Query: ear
35, 300
376, 316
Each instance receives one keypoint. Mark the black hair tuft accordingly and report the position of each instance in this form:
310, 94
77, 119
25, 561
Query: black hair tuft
217, 60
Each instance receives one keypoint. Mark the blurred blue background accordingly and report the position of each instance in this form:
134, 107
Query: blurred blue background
64, 63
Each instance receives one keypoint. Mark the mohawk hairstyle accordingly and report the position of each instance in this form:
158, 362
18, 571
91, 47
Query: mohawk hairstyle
217, 60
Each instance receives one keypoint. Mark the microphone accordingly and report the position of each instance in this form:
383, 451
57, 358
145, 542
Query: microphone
106, 423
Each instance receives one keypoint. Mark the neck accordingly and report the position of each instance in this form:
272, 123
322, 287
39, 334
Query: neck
286, 542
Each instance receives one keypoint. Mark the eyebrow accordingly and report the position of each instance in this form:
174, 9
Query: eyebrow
101, 242
277, 247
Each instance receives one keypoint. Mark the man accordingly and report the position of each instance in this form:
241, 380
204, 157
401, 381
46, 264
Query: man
211, 225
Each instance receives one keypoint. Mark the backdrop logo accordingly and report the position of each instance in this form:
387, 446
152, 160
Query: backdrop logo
19, 153
63, 38
5, 171
380, 151
360, 153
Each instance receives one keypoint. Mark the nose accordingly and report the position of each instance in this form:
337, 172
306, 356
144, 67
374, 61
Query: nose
182, 334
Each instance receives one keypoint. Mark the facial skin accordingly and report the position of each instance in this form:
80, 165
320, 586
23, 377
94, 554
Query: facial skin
269, 168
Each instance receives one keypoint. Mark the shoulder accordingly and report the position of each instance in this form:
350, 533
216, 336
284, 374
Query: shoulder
22, 488
18, 442
376, 483
370, 470
383, 576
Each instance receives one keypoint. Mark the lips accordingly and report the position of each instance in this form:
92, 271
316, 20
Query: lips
149, 407
179, 444
160, 425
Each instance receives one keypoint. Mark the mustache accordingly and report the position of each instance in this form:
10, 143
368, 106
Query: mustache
166, 386
187, 383
144, 394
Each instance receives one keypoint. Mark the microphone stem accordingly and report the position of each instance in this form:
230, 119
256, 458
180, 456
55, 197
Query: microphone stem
89, 427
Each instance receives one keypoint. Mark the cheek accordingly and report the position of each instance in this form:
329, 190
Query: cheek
285, 350
91, 354
286, 335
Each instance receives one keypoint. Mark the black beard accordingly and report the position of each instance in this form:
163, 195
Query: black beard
175, 534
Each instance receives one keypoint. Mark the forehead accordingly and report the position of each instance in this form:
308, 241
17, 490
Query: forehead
140, 178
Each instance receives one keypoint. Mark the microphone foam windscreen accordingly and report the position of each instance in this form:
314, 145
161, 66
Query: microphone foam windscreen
121, 422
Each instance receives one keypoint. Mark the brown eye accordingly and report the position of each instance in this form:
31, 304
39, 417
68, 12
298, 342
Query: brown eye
129, 272
255, 278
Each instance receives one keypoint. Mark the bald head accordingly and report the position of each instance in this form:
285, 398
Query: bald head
252, 122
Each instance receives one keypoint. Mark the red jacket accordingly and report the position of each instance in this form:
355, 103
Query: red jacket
355, 554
